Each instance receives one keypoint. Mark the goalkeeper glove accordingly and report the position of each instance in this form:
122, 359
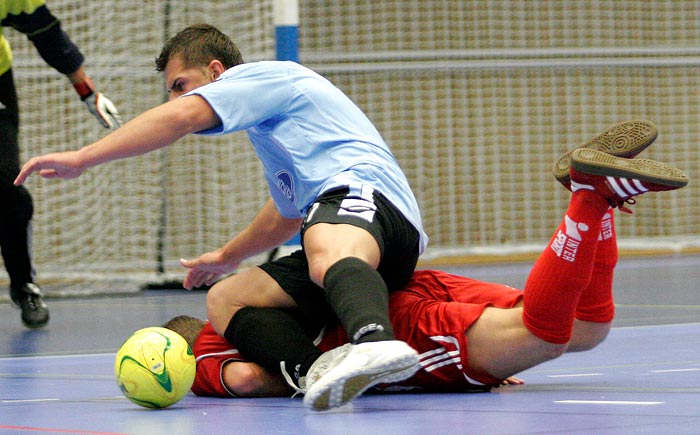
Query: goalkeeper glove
98, 104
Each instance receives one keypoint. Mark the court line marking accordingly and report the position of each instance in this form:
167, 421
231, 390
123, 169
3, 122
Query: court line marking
28, 400
575, 375
52, 430
96, 399
64, 355
675, 370
607, 402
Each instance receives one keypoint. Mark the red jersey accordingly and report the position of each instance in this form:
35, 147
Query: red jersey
432, 314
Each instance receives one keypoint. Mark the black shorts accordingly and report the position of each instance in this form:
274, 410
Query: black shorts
398, 242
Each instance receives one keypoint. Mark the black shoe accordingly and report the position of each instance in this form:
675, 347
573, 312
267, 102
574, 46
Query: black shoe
28, 299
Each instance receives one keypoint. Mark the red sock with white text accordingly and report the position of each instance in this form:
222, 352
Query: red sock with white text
596, 302
564, 269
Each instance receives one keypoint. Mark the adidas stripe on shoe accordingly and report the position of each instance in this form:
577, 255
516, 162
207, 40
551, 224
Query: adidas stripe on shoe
624, 139
619, 179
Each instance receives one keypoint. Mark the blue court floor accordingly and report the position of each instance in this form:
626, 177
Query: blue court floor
645, 379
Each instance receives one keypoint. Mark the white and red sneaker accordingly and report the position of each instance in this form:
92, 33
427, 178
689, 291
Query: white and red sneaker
619, 179
624, 139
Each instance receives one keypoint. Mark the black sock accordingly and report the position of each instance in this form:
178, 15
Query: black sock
358, 295
268, 336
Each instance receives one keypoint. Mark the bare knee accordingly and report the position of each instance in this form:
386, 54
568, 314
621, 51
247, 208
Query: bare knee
220, 309
552, 351
587, 335
348, 241
317, 270
250, 288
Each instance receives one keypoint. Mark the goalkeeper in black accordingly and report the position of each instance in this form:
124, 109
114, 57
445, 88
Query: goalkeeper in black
33, 18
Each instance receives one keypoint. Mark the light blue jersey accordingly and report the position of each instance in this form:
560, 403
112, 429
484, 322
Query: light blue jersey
310, 136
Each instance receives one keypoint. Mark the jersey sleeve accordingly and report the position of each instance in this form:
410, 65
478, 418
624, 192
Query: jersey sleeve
54, 45
212, 352
245, 96
208, 380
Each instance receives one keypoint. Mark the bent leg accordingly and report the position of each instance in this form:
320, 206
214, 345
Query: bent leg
359, 247
596, 308
587, 335
346, 269
500, 345
238, 309
505, 342
564, 270
251, 287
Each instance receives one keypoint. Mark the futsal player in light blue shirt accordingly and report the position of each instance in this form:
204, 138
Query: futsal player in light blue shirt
331, 177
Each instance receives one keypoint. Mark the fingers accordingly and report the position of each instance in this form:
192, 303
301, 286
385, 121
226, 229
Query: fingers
196, 278
512, 380
107, 113
187, 283
187, 263
31, 166
204, 270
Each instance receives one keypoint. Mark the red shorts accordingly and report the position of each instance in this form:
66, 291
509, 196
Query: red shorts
433, 313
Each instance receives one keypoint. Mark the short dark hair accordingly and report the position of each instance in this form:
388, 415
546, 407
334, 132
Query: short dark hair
197, 45
187, 326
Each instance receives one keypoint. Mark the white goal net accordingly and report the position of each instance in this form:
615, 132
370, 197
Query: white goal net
476, 99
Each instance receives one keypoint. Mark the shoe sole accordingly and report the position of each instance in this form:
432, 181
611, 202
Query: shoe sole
31, 318
29, 324
624, 139
596, 162
332, 391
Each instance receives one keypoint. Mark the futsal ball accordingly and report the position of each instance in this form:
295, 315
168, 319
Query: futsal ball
154, 367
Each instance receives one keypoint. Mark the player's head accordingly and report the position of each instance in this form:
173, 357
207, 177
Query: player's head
187, 326
197, 45
196, 56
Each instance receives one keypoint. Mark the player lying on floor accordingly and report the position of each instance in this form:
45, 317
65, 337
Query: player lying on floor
222, 371
472, 335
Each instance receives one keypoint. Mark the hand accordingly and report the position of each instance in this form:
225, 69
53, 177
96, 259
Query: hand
206, 269
512, 380
55, 165
103, 109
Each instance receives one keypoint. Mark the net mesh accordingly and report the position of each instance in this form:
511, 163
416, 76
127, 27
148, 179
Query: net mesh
476, 99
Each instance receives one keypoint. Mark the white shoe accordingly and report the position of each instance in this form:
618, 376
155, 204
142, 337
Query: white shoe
342, 374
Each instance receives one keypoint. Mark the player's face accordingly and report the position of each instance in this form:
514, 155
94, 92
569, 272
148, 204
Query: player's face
180, 79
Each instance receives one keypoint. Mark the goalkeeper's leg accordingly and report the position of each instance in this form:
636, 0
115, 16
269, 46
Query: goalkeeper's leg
16, 214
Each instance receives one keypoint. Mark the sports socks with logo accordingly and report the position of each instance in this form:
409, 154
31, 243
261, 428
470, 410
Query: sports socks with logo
596, 302
359, 297
555, 284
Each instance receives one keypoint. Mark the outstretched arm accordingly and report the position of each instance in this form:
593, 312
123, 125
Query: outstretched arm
267, 230
149, 131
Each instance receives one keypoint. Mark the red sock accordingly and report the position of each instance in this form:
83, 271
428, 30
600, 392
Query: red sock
596, 301
564, 269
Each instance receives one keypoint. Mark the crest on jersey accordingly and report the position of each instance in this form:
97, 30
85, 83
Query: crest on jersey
285, 183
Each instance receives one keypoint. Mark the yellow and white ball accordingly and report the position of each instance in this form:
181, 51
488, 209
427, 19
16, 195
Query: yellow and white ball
155, 367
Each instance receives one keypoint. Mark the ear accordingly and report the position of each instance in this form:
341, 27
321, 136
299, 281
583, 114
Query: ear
216, 68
